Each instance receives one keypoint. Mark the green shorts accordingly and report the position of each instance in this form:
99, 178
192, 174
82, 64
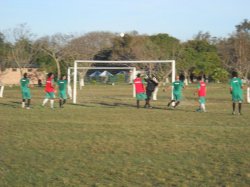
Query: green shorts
62, 94
177, 96
202, 100
141, 96
26, 94
50, 95
237, 97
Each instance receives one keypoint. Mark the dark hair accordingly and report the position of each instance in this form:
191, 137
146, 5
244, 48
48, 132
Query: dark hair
199, 78
234, 74
50, 74
138, 75
25, 75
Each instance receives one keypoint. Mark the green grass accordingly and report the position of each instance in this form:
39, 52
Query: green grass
106, 141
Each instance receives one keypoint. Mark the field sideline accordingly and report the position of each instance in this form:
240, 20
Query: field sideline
105, 141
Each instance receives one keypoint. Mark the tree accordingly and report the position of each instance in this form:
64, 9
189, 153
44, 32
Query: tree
235, 50
22, 52
55, 47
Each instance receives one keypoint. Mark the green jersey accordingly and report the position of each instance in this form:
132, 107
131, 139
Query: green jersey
24, 83
62, 85
178, 85
236, 85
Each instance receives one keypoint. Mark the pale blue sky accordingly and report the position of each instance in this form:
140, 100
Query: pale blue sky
179, 18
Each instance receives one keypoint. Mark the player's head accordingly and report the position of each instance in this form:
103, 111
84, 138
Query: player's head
25, 75
200, 78
63, 77
138, 75
234, 74
177, 77
50, 75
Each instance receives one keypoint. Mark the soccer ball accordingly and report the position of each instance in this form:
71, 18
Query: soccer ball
122, 34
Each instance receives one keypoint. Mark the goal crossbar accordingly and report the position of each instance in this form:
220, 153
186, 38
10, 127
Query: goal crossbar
115, 62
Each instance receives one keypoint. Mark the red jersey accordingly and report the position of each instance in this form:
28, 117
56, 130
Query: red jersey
139, 86
49, 87
202, 89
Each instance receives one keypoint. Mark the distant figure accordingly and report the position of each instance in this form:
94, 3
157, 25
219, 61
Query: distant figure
139, 89
156, 88
40, 83
201, 91
25, 88
236, 87
1, 89
151, 85
50, 91
177, 86
62, 84
248, 91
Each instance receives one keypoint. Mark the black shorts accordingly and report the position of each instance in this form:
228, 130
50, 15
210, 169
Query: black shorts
149, 94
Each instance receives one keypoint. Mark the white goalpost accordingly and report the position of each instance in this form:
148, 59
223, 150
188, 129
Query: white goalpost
76, 62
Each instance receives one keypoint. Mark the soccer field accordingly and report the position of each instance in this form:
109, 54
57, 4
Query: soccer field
106, 141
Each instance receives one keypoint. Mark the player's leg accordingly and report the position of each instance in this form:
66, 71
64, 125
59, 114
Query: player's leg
60, 103
47, 96
28, 97
52, 97
149, 98
234, 104
28, 104
240, 106
178, 99
138, 103
23, 103
202, 104
170, 103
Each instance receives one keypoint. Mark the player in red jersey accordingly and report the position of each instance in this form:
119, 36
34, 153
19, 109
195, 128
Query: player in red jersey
139, 89
201, 91
50, 90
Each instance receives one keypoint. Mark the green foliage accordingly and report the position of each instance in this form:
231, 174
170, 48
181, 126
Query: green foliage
220, 75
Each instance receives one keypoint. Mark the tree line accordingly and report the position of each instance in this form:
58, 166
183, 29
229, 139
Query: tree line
214, 57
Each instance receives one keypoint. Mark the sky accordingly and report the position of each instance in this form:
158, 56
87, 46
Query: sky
179, 18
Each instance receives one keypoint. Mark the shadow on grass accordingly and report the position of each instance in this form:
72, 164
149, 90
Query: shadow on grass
14, 105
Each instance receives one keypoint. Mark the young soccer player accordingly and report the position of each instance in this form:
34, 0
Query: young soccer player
151, 85
202, 94
62, 84
236, 87
139, 89
25, 88
177, 86
50, 90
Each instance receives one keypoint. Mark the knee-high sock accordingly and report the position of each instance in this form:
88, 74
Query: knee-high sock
23, 103
52, 103
45, 101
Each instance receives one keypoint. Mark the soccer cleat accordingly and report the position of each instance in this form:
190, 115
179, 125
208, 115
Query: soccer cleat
27, 108
198, 110
233, 113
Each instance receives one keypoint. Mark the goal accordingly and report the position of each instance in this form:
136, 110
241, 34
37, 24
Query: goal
76, 62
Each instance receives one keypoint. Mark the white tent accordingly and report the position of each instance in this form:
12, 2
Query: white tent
95, 74
122, 73
105, 74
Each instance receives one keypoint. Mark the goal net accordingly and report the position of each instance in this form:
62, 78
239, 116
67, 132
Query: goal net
110, 65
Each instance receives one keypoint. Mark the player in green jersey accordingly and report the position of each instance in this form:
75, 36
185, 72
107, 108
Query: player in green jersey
236, 87
25, 88
62, 85
178, 85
